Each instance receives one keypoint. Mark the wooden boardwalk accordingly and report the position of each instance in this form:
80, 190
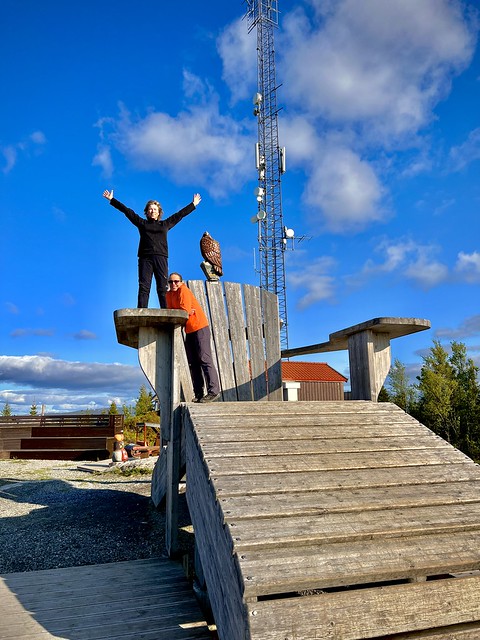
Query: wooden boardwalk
142, 599
330, 520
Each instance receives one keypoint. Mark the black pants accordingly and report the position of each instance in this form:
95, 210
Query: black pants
200, 360
147, 267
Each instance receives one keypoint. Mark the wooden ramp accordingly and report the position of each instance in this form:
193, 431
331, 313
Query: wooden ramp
141, 599
342, 521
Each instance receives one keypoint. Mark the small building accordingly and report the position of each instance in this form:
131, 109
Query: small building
315, 380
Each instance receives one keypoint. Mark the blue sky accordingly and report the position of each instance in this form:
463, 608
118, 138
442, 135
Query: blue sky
381, 121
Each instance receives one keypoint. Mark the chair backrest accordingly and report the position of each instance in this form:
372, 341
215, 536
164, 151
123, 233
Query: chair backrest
245, 326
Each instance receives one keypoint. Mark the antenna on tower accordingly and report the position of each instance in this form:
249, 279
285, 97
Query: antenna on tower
270, 161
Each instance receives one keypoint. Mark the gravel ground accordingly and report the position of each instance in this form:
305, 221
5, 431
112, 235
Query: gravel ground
54, 515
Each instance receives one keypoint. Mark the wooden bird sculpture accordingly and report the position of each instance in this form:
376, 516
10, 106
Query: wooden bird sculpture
212, 256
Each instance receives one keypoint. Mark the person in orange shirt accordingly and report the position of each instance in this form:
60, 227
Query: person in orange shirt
197, 339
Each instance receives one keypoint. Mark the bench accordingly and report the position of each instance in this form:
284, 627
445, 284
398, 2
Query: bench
59, 436
245, 329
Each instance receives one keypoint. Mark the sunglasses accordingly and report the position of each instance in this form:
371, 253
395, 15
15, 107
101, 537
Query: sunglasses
174, 281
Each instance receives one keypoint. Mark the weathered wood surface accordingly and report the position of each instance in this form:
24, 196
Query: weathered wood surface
141, 599
364, 613
245, 338
311, 497
219, 564
369, 352
157, 335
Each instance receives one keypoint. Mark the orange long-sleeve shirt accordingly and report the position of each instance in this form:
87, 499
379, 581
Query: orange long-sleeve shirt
184, 299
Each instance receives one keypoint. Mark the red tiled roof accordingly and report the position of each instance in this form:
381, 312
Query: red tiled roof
310, 371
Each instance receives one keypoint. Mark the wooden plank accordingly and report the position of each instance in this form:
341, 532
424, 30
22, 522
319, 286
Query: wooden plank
238, 336
330, 426
349, 500
328, 528
258, 431
323, 462
181, 364
306, 445
253, 313
368, 613
59, 454
307, 567
64, 443
276, 483
219, 325
86, 603
15, 432
469, 631
271, 324
350, 411
214, 546
72, 432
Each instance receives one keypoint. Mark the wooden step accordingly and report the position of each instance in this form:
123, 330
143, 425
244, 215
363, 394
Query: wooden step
70, 431
63, 443
58, 454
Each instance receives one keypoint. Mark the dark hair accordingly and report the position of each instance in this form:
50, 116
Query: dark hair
177, 274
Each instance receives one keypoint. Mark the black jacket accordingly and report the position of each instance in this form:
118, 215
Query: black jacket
153, 233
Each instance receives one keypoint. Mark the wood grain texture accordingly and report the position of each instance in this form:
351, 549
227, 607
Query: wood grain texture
356, 502
144, 599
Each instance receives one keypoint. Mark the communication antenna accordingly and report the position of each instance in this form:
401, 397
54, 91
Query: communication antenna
270, 161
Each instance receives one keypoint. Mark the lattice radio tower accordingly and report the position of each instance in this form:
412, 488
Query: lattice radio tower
270, 160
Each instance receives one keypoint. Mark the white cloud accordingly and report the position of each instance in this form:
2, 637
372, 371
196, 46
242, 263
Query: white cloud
468, 266
407, 259
237, 49
381, 64
470, 327
359, 78
103, 159
12, 308
22, 332
84, 334
344, 191
32, 143
198, 146
38, 137
314, 278
427, 273
465, 153
48, 373
10, 155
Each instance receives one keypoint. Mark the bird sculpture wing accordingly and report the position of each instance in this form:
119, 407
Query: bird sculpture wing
210, 250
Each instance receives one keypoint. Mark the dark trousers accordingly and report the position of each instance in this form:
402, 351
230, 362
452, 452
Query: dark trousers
200, 360
147, 267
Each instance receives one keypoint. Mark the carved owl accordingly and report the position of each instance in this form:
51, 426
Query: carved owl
210, 250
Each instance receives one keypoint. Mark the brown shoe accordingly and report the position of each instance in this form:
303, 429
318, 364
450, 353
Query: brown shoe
210, 397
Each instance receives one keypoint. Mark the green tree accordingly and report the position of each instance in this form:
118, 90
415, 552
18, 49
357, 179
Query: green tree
143, 411
400, 390
113, 411
466, 400
33, 409
144, 405
384, 396
6, 411
437, 387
